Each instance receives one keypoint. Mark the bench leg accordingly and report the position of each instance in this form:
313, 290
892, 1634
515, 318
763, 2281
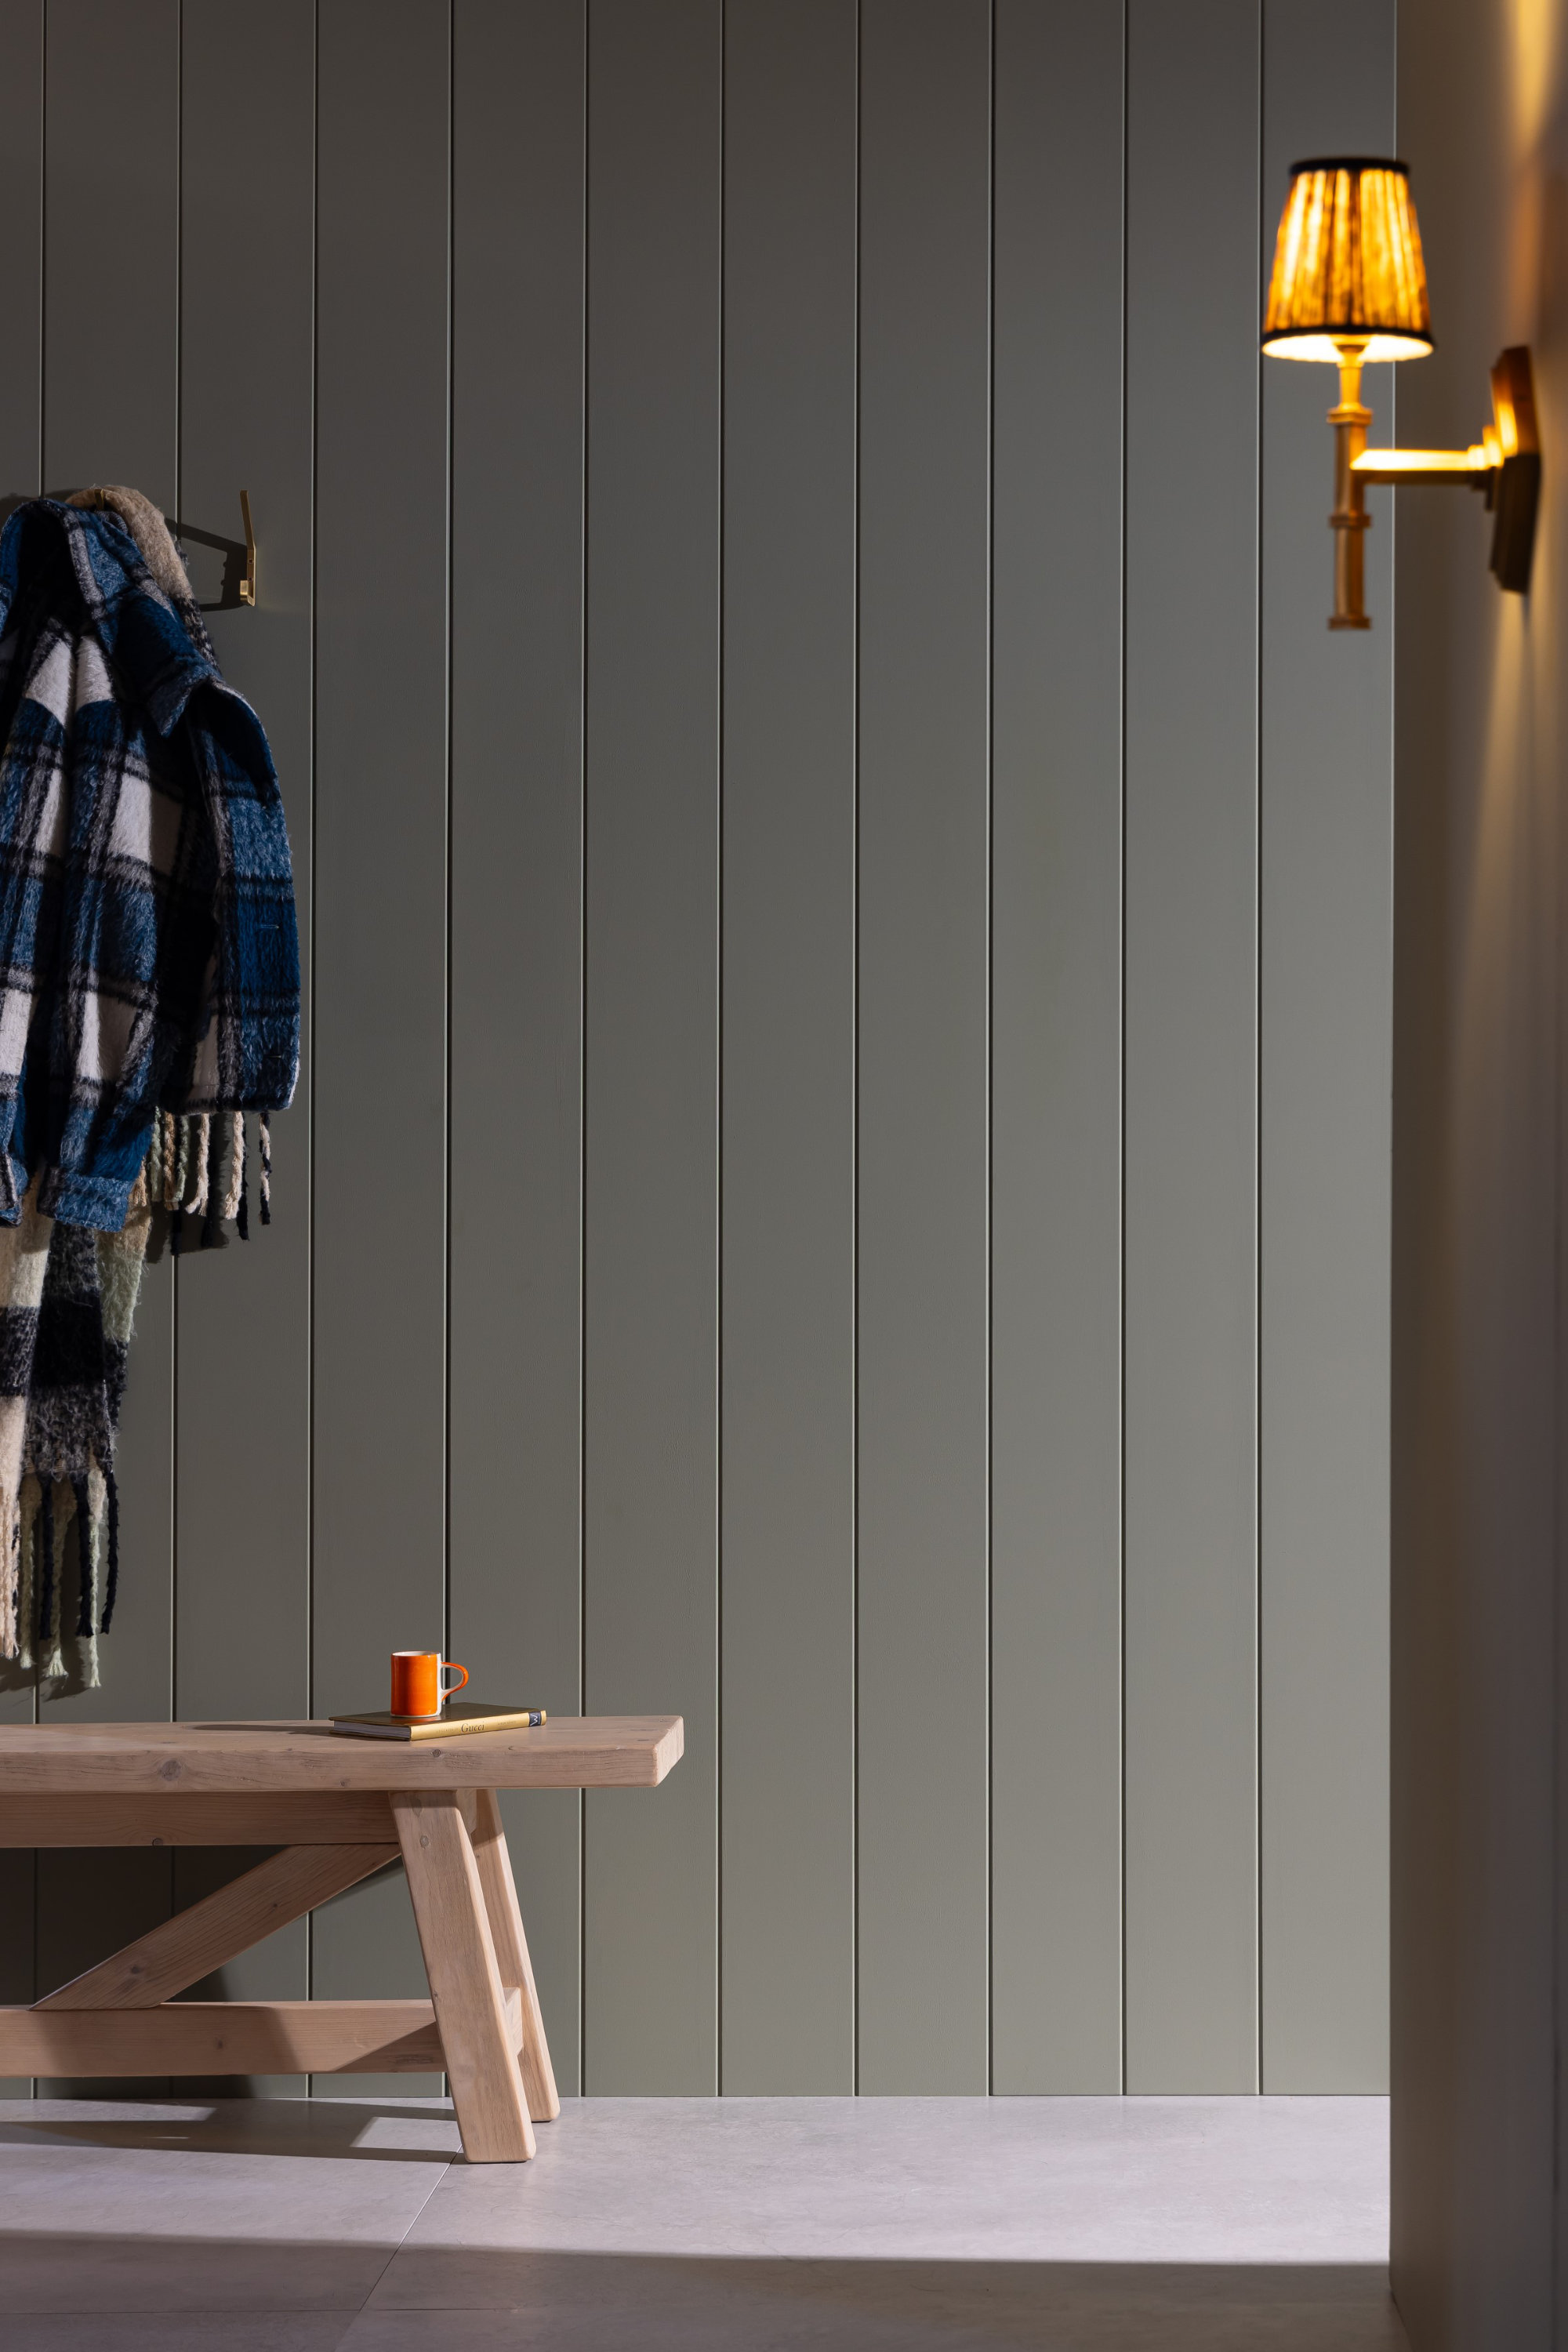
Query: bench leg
465, 1981
511, 1953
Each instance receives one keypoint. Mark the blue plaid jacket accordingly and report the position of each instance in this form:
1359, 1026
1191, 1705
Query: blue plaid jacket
149, 957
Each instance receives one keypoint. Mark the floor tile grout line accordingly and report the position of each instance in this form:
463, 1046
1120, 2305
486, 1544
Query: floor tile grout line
375, 2283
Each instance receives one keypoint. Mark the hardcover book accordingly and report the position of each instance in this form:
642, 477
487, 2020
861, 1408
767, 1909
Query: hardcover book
460, 1715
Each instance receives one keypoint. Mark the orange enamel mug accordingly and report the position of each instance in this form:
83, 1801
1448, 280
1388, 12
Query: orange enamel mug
416, 1690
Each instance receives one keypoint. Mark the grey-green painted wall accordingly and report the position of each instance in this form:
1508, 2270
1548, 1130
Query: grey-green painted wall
840, 1177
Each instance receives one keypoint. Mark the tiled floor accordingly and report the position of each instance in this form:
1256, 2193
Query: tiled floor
808, 2225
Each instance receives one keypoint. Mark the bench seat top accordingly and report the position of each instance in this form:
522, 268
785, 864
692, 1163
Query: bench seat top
585, 1751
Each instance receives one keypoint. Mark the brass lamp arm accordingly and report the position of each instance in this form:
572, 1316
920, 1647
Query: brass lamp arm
1504, 464
1474, 468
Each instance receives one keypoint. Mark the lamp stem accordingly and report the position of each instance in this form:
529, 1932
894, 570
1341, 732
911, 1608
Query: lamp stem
1350, 518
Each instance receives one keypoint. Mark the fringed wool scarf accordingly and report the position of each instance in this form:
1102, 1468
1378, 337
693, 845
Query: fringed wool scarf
139, 821
149, 952
67, 1302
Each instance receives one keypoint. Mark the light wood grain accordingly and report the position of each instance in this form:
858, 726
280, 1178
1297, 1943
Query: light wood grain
465, 1981
612, 1751
226, 2037
499, 1889
327, 1817
188, 1946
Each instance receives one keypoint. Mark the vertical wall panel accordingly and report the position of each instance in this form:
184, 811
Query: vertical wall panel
1056, 1248
1191, 1049
111, 252
651, 1532
380, 1043
788, 1519
246, 420
517, 833
21, 258
922, 1222
242, 1346
1326, 884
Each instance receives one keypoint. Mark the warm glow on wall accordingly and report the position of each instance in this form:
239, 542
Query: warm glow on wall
1535, 36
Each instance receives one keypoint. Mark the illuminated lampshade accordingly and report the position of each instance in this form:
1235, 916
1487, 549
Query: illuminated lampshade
1347, 265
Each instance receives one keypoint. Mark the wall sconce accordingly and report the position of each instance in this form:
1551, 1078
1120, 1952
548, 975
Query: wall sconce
1348, 288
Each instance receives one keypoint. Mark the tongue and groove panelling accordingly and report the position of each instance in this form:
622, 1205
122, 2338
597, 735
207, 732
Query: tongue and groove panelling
761, 610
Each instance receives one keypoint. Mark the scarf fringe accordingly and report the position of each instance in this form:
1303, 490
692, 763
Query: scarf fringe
58, 1595
197, 1174
40, 1515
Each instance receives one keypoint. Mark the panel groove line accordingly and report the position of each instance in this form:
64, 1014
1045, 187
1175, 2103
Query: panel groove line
308, 1007
1190, 1070
1325, 1047
787, 1194
1056, 1255
242, 1427
719, 1075
586, 119
516, 934
379, 1309
1121, 1096
650, 1535
991, 1067
110, 281
923, 885
855, 1142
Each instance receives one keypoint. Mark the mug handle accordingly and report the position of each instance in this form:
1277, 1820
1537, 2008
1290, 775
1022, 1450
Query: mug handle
450, 1666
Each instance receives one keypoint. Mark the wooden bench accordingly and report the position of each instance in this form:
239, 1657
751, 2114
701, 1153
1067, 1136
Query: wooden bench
339, 1809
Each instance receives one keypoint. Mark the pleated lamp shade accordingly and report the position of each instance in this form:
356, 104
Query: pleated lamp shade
1347, 265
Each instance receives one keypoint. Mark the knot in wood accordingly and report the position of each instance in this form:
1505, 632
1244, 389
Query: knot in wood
171, 1770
